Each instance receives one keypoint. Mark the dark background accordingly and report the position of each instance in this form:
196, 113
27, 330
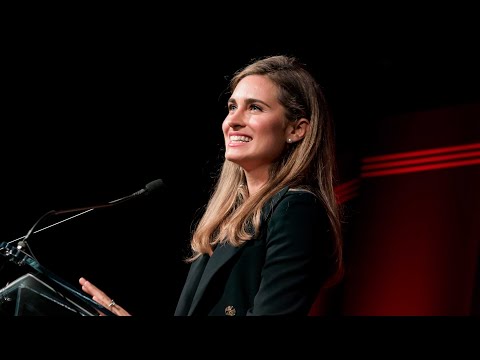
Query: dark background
92, 115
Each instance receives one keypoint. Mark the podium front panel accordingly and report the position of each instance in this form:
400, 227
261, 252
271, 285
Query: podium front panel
28, 295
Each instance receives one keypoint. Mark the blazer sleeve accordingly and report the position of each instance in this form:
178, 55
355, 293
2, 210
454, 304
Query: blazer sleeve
295, 264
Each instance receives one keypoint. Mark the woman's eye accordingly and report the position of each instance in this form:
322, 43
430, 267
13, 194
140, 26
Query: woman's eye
255, 107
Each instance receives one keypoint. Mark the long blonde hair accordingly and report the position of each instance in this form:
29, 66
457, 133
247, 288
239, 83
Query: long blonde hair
308, 164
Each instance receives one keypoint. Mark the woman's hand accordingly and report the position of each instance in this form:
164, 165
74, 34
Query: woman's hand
100, 297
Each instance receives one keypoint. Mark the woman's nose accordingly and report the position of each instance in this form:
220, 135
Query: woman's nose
236, 120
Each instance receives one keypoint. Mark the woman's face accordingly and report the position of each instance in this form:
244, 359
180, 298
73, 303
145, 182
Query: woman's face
255, 129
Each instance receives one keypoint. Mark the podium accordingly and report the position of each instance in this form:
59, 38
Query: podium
30, 296
40, 292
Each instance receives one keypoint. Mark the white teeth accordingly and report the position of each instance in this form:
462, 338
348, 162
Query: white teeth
240, 138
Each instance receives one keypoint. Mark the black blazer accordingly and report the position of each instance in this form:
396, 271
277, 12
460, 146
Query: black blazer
277, 273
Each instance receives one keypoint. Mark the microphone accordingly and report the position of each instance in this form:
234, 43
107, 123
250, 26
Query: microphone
150, 188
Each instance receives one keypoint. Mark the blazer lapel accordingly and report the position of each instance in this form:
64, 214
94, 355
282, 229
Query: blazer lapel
188, 291
225, 252
220, 256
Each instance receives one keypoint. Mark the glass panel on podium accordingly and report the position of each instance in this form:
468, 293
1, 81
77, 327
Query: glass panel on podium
29, 295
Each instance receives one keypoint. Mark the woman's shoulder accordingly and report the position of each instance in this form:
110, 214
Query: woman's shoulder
299, 196
299, 206
291, 201
299, 191
288, 194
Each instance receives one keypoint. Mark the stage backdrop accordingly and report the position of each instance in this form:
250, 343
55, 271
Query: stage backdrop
412, 234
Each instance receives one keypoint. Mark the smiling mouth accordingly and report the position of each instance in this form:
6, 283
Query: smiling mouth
243, 139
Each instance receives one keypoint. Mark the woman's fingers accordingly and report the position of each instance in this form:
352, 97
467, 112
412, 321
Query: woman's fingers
100, 297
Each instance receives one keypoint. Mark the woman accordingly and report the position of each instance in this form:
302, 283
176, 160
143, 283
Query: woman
270, 237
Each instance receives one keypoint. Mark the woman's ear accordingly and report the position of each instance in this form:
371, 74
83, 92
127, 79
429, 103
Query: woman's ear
297, 130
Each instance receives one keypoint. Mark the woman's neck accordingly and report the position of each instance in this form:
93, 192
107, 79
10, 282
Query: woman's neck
255, 180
